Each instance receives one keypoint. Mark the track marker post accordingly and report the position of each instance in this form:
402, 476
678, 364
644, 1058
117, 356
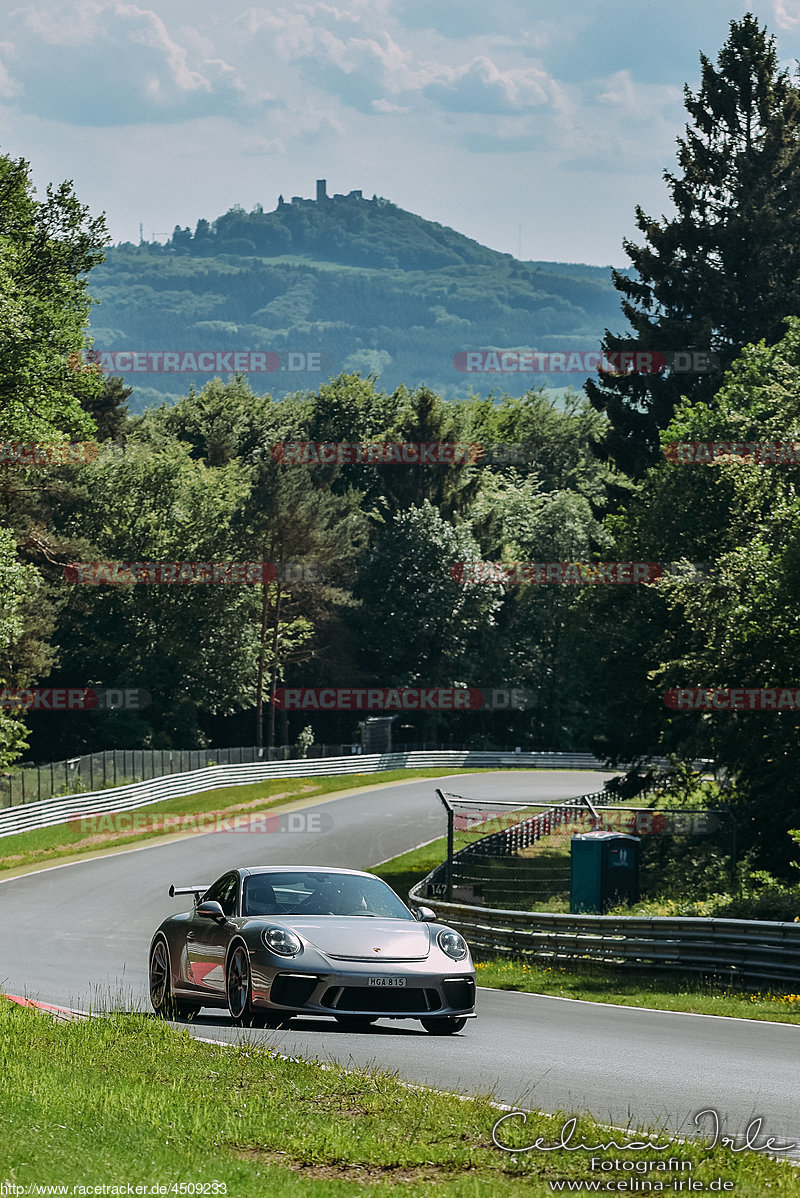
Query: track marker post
449, 870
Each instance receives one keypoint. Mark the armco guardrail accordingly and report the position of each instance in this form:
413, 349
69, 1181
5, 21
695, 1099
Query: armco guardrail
45, 814
742, 950
29, 783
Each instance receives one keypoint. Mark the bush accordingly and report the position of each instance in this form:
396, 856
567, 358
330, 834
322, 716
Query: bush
760, 896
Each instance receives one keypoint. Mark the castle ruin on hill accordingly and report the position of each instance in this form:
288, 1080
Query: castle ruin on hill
322, 196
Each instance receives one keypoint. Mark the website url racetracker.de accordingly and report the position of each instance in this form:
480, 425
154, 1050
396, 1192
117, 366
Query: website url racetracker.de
17, 1189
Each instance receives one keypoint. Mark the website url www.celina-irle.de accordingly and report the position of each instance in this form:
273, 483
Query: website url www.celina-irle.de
636, 1185
13, 1189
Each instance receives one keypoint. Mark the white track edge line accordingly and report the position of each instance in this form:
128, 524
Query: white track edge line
619, 1006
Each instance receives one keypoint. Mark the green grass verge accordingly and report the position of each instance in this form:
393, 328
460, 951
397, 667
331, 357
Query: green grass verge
667, 991
128, 1100
46, 844
405, 871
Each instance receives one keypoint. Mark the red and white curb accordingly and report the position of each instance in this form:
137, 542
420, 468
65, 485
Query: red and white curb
56, 1012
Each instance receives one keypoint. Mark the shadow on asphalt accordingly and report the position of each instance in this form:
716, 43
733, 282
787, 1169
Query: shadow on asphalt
325, 1026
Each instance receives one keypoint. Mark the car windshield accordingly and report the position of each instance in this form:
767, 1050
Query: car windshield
316, 893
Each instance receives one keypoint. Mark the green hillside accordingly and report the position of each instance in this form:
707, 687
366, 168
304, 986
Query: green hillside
366, 284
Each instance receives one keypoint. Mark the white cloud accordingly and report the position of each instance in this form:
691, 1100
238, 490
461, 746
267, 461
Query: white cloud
100, 62
388, 107
787, 14
147, 29
8, 85
638, 101
284, 34
70, 23
482, 86
622, 124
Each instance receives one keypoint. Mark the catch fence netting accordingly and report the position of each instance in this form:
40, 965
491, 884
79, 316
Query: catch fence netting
516, 855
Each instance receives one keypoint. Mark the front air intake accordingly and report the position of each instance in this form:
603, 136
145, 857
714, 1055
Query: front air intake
378, 999
292, 989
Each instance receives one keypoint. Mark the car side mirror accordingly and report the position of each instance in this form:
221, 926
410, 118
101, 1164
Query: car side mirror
210, 910
425, 915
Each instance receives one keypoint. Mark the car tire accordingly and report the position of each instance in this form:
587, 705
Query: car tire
162, 999
239, 987
355, 1023
444, 1025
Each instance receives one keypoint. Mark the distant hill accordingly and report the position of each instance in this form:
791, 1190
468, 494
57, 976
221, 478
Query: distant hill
366, 284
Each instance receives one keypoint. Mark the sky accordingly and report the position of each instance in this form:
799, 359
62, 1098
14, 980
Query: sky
535, 128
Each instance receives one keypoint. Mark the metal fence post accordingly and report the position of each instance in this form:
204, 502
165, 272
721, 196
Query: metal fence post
733, 845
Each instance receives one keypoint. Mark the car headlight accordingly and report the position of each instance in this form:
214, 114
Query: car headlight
282, 941
453, 944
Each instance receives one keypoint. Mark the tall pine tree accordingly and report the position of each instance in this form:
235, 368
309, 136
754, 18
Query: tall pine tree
725, 270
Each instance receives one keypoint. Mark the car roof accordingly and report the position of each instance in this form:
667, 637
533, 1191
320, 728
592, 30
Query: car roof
252, 870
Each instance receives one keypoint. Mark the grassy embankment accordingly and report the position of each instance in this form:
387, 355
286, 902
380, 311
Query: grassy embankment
127, 1099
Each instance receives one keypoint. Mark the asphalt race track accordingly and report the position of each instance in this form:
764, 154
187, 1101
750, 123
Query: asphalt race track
79, 934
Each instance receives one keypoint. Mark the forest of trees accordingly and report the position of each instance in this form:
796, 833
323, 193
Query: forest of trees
198, 481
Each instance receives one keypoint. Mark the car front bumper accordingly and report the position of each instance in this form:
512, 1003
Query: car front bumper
351, 993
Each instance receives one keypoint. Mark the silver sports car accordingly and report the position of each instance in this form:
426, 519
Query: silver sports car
276, 941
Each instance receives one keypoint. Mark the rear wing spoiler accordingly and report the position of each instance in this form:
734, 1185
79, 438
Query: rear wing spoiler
195, 890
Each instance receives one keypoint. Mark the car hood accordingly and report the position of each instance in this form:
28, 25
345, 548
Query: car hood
360, 938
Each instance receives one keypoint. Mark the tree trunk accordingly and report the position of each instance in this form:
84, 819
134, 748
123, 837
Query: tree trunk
262, 648
274, 682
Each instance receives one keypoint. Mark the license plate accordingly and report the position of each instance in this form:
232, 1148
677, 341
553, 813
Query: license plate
386, 982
